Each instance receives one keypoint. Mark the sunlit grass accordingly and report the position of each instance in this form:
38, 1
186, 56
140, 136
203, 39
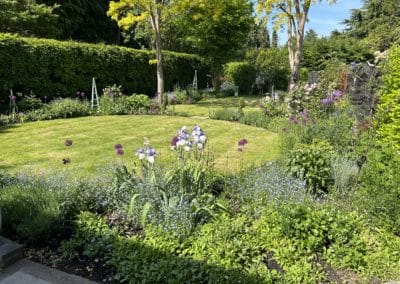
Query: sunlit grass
40, 145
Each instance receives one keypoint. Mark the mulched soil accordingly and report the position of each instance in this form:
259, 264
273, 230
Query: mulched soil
48, 254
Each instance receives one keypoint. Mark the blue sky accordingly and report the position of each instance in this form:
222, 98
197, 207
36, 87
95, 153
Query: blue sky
325, 18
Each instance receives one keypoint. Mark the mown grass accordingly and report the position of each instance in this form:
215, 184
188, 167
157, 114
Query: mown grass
40, 145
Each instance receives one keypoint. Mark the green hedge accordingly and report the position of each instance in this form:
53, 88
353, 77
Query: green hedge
55, 68
389, 102
242, 74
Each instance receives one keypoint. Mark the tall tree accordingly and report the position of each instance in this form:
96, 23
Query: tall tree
275, 39
85, 21
259, 35
378, 22
217, 30
293, 14
130, 12
28, 18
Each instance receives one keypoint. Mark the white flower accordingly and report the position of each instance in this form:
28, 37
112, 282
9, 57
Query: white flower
199, 145
203, 138
187, 148
150, 159
141, 156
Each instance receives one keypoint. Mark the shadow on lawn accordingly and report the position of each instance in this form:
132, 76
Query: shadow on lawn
6, 128
138, 263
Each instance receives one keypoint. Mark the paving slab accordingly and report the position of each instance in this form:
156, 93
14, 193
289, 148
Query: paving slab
10, 252
25, 271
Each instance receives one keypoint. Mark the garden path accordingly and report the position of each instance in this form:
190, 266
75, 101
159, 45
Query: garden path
29, 272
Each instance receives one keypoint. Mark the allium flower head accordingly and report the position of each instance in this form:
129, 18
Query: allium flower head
118, 146
242, 142
68, 142
119, 152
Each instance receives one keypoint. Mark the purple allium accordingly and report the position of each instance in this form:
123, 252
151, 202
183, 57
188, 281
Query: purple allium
174, 140
119, 152
82, 94
78, 94
242, 142
13, 99
118, 146
337, 93
68, 142
293, 119
66, 161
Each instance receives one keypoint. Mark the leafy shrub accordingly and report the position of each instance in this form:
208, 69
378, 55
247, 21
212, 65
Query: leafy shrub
242, 74
313, 164
345, 172
379, 194
389, 101
272, 68
225, 114
92, 236
263, 186
64, 108
29, 212
255, 118
55, 68
29, 103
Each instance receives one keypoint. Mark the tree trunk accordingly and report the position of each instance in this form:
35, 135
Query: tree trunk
160, 73
295, 53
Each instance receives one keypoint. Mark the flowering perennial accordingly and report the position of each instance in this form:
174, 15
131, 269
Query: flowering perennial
186, 141
332, 98
147, 153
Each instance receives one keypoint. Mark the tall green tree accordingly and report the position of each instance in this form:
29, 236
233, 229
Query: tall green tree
85, 20
217, 30
378, 22
275, 39
293, 14
259, 35
128, 13
28, 18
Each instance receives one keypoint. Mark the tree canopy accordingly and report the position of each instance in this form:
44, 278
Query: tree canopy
28, 18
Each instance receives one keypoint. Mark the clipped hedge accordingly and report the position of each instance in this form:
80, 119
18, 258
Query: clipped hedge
389, 102
57, 68
242, 74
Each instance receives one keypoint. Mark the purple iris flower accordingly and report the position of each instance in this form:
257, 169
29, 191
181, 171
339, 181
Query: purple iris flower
150, 151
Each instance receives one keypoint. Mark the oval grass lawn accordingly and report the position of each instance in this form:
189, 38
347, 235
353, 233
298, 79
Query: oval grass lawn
40, 145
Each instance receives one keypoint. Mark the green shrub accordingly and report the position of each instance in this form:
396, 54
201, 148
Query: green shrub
389, 101
92, 236
272, 67
224, 114
29, 103
313, 164
64, 108
54, 68
242, 74
379, 195
255, 118
29, 213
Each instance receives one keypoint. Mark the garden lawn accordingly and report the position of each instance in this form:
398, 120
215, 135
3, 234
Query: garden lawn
39, 146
